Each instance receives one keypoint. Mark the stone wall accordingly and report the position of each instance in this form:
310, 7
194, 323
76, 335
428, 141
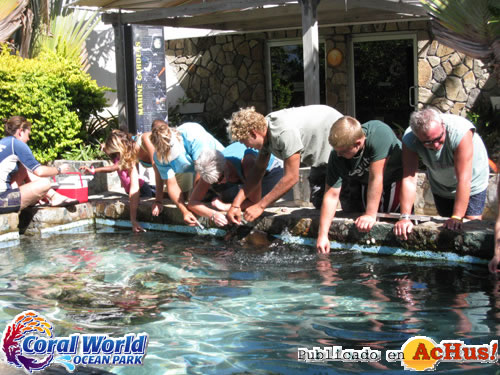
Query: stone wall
223, 72
449, 80
227, 72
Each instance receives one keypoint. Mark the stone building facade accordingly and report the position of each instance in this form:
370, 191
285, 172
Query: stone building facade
226, 72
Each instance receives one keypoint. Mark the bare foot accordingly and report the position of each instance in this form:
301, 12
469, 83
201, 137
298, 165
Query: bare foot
221, 206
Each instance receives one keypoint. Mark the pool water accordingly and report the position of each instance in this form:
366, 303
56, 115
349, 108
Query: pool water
213, 307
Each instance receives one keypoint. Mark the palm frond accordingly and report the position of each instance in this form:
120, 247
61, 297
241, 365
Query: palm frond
67, 34
471, 27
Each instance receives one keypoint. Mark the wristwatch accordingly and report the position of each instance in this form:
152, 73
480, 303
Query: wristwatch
58, 170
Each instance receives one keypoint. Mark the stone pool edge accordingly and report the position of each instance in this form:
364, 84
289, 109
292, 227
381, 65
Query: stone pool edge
428, 240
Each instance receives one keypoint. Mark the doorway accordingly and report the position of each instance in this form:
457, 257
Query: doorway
285, 78
384, 72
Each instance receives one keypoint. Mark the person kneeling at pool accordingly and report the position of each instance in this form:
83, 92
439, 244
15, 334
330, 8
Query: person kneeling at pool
176, 151
370, 154
224, 173
125, 154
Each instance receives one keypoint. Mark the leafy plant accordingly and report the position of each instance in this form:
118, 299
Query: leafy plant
85, 153
98, 127
282, 92
54, 94
66, 34
484, 118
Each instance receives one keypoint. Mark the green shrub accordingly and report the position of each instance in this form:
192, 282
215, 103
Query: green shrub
53, 94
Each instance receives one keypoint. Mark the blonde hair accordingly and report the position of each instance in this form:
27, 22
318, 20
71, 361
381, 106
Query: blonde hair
244, 121
121, 143
161, 138
157, 123
345, 132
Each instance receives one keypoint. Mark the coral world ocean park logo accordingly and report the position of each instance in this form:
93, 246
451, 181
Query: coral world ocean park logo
29, 343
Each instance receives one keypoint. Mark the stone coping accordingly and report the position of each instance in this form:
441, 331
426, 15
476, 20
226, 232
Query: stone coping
475, 240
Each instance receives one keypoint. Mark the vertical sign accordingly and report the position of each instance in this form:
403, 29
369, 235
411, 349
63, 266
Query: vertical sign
150, 87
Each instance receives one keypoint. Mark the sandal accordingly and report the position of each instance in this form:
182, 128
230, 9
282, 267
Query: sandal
59, 200
41, 203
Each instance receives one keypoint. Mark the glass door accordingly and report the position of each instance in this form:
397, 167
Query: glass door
287, 74
384, 80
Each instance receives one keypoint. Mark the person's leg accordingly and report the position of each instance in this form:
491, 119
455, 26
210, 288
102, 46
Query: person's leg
21, 176
476, 206
352, 195
146, 191
10, 201
223, 195
389, 202
32, 192
185, 182
317, 180
270, 180
444, 206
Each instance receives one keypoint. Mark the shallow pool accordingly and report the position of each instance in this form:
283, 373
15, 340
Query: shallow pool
211, 307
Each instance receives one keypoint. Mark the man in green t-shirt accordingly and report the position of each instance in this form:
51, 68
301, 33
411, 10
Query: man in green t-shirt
369, 154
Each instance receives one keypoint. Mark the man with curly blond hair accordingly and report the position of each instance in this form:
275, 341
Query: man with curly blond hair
298, 136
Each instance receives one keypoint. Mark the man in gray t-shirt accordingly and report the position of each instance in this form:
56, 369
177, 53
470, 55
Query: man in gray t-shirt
298, 136
457, 168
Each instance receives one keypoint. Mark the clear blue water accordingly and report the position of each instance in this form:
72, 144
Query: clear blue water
212, 307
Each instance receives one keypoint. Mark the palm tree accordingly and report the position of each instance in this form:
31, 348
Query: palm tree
13, 15
470, 27
47, 24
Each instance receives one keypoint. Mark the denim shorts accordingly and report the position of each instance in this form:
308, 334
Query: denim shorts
147, 190
10, 201
475, 207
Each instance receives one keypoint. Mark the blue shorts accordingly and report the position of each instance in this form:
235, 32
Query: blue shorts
475, 207
147, 190
10, 201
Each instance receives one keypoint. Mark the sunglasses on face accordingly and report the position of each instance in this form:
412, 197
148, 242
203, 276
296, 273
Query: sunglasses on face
430, 142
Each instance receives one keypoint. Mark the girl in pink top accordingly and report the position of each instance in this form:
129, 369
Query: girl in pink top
124, 153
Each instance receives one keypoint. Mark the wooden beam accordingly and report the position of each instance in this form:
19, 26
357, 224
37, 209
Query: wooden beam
195, 10
310, 48
121, 77
287, 16
395, 6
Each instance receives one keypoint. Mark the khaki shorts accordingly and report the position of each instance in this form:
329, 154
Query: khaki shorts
185, 181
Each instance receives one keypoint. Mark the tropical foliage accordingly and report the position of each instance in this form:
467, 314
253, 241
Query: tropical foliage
54, 94
66, 35
471, 27
47, 24
11, 17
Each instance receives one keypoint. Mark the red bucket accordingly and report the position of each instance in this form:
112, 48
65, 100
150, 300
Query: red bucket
73, 186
